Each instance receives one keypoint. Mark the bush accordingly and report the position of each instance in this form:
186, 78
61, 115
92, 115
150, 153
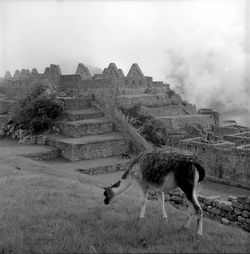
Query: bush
36, 112
170, 93
152, 130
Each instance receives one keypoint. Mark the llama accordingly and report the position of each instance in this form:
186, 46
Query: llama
163, 170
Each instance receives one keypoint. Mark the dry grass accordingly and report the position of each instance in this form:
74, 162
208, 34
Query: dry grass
42, 213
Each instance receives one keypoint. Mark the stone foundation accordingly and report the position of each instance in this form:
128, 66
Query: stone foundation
235, 211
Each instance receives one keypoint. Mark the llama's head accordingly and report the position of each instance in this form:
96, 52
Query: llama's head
109, 194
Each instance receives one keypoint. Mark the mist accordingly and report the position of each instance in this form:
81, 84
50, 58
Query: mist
201, 48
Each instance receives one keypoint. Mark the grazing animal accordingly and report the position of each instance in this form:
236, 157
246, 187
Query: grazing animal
125, 156
163, 170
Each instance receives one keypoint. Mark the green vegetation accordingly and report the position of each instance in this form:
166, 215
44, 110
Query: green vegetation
151, 129
44, 209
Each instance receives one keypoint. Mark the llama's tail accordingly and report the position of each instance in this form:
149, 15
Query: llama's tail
201, 170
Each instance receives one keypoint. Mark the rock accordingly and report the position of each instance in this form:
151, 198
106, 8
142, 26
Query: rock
237, 204
225, 205
231, 198
216, 202
24, 140
245, 214
225, 221
243, 199
200, 198
247, 207
167, 197
206, 214
237, 211
230, 216
62, 94
215, 211
241, 219
177, 199
237, 224
207, 201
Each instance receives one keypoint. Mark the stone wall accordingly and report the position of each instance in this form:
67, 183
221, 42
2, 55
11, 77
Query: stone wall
214, 114
224, 159
178, 122
24, 82
19, 88
235, 211
227, 130
238, 138
172, 110
138, 142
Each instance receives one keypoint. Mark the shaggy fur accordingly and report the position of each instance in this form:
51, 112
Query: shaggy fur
163, 170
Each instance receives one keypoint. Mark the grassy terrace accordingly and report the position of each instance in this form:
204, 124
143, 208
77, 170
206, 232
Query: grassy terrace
48, 209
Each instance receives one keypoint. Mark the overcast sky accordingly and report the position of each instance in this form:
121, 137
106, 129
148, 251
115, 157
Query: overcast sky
199, 44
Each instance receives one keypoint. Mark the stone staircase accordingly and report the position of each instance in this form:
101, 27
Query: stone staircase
88, 139
165, 106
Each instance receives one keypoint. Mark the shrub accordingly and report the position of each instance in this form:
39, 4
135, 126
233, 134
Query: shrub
152, 130
170, 93
36, 112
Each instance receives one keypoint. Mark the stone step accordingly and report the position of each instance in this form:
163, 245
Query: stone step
152, 100
90, 147
81, 114
171, 110
94, 166
76, 129
75, 103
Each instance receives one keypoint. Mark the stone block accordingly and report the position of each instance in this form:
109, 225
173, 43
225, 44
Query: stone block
82, 114
86, 127
232, 198
75, 103
215, 211
237, 211
167, 197
243, 199
90, 147
224, 205
237, 204
177, 199
247, 207
241, 219
206, 214
230, 216
207, 201
245, 214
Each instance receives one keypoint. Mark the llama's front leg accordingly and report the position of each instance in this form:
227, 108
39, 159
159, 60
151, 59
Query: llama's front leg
143, 202
161, 198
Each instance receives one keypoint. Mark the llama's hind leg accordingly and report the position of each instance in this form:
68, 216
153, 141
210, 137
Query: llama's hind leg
190, 217
161, 198
188, 183
199, 213
144, 197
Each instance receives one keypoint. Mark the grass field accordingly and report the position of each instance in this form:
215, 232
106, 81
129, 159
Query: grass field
47, 210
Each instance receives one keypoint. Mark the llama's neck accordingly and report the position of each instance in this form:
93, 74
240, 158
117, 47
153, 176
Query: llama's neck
121, 186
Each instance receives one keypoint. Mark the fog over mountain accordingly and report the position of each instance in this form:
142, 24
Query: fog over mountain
200, 47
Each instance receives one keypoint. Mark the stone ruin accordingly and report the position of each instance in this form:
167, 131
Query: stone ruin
196, 130
83, 71
226, 149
